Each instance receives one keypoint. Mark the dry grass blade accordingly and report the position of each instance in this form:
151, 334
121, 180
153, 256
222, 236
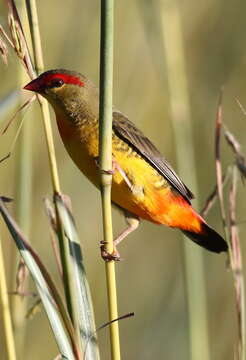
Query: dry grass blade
240, 159
6, 37
241, 164
236, 264
214, 195
219, 177
4, 51
50, 212
34, 309
5, 157
7, 104
13, 142
241, 106
57, 254
24, 106
126, 316
232, 142
21, 276
18, 38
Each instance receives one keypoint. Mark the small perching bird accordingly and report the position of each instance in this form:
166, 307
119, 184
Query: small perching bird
144, 185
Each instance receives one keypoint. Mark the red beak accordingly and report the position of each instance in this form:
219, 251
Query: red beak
34, 85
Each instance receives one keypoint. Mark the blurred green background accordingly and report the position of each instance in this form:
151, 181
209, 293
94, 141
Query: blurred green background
151, 279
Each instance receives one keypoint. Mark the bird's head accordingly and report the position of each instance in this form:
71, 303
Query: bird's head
66, 91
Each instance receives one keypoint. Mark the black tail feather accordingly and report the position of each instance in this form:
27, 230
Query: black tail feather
208, 238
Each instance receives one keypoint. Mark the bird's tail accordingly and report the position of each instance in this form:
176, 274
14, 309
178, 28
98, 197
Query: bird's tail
207, 238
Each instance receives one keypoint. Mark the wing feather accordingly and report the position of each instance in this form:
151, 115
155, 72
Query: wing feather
128, 132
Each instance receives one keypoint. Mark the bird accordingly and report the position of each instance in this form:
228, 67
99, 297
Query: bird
144, 185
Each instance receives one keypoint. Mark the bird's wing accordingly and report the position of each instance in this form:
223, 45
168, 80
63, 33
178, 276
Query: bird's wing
128, 132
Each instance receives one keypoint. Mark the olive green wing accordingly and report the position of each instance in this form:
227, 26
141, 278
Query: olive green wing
128, 132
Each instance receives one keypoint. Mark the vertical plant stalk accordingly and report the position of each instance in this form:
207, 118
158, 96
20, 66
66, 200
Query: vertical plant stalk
105, 152
39, 65
23, 196
181, 121
5, 309
237, 267
218, 166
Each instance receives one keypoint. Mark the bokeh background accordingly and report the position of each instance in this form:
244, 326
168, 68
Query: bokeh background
151, 279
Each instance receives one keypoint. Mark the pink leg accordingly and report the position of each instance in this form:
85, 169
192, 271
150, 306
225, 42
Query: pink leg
133, 223
116, 167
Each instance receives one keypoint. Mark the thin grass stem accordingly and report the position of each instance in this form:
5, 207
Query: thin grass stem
237, 267
5, 309
218, 165
23, 195
39, 64
105, 150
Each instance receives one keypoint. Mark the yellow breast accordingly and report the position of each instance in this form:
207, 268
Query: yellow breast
82, 145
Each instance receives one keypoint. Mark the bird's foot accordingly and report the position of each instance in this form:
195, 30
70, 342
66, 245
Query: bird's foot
116, 167
108, 172
106, 256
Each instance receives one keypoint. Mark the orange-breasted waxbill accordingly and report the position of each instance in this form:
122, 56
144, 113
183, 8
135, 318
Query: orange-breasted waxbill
144, 185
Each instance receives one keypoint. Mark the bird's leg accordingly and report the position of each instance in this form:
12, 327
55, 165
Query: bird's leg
116, 167
132, 224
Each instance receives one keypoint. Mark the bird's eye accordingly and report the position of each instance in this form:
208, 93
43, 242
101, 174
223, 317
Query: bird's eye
56, 83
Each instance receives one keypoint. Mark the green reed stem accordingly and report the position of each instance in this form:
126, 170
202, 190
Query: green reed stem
105, 150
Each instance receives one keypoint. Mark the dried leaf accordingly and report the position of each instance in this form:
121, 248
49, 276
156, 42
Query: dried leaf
24, 106
214, 194
241, 164
18, 38
50, 212
4, 51
232, 141
218, 126
34, 309
5, 157
241, 107
239, 157
126, 316
27, 103
6, 37
21, 276
236, 264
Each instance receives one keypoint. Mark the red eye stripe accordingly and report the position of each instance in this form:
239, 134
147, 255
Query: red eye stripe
68, 79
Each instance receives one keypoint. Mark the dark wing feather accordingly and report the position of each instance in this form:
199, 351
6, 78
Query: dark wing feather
128, 132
